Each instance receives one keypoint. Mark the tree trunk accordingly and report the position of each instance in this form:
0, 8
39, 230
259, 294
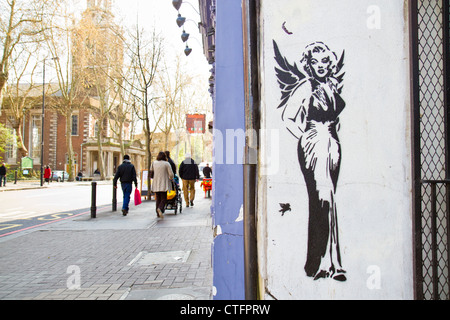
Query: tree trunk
23, 151
149, 154
3, 79
69, 147
101, 158
120, 138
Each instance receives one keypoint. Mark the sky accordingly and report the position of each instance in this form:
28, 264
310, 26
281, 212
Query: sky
162, 15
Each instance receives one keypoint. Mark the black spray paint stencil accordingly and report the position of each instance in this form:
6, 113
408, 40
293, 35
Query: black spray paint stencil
311, 103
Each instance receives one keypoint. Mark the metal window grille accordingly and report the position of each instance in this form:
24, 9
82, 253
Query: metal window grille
432, 141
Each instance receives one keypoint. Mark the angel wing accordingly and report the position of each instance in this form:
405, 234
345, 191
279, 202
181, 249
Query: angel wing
339, 75
289, 76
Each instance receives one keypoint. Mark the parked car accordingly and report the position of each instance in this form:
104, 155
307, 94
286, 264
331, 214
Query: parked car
57, 175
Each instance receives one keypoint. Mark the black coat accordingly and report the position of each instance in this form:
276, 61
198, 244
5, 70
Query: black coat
126, 172
172, 165
189, 171
207, 172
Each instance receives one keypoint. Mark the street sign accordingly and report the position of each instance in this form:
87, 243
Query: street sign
196, 123
27, 163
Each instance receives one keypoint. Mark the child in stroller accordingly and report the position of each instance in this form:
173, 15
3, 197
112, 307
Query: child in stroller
174, 197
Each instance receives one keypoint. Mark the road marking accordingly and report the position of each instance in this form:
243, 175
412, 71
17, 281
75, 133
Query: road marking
40, 225
70, 215
7, 226
18, 215
24, 216
55, 216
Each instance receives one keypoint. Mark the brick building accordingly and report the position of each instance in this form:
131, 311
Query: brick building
86, 119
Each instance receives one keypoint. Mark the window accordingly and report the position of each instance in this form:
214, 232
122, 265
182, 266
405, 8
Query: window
35, 136
11, 146
96, 129
75, 125
75, 158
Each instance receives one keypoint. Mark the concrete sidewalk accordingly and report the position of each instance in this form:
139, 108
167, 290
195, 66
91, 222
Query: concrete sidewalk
113, 257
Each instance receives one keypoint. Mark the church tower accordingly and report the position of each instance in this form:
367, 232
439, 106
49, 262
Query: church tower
101, 10
105, 5
98, 49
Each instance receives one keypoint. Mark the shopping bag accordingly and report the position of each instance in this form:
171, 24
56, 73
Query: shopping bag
137, 197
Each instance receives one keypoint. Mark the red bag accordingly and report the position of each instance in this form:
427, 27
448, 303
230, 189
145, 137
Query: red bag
137, 197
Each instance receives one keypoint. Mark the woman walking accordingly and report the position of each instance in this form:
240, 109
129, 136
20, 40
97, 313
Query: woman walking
162, 175
47, 174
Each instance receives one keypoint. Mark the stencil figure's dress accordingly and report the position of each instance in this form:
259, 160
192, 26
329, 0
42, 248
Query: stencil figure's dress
319, 154
311, 102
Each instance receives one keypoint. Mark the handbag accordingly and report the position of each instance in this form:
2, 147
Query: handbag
152, 172
137, 197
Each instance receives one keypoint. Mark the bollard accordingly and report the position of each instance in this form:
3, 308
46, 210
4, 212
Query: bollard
114, 199
15, 177
94, 200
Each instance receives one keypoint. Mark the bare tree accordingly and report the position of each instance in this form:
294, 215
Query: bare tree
124, 107
173, 83
97, 61
20, 22
145, 56
21, 95
59, 40
6, 138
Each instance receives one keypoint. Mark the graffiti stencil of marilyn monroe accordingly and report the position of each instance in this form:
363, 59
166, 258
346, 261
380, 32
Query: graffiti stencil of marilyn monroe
311, 103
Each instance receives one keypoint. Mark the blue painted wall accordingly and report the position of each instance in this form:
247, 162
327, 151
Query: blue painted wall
228, 247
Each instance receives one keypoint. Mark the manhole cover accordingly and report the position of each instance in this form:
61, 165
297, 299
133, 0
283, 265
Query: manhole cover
146, 258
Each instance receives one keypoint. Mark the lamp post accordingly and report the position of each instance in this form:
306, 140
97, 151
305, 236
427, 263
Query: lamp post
42, 120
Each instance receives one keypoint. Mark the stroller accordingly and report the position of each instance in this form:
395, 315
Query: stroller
174, 197
207, 186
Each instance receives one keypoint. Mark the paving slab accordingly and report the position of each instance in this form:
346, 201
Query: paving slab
136, 257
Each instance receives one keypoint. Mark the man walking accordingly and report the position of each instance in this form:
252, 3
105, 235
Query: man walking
3, 175
127, 174
207, 171
189, 174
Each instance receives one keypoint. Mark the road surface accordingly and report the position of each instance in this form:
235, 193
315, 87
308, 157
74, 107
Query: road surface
25, 209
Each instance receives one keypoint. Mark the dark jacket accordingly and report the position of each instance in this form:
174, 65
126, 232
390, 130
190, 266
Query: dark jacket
189, 170
207, 172
126, 172
2, 170
172, 165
